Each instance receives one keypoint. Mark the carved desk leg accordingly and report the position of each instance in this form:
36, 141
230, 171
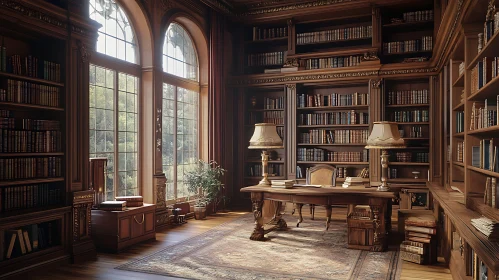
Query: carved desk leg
279, 221
257, 201
378, 217
329, 210
298, 206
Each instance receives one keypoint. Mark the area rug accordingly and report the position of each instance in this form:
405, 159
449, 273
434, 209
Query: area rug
307, 252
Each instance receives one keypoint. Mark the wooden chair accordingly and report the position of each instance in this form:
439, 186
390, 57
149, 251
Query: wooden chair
321, 174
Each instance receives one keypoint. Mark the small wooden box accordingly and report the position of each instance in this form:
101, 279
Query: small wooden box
360, 231
115, 230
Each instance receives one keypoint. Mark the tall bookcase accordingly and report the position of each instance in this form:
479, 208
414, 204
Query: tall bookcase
42, 156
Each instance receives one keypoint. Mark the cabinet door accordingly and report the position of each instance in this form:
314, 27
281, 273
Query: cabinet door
124, 231
149, 222
138, 224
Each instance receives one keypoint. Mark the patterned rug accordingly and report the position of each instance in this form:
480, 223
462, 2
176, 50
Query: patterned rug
307, 252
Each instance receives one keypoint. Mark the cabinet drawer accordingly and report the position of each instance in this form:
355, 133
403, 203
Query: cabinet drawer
124, 230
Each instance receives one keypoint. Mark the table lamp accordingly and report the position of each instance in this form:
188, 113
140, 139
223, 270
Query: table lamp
385, 136
265, 138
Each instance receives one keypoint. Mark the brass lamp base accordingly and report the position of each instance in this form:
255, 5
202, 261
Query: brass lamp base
384, 172
265, 162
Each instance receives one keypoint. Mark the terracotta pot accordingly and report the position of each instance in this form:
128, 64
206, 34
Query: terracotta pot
199, 212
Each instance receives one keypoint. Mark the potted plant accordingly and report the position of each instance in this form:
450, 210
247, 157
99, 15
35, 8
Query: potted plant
204, 180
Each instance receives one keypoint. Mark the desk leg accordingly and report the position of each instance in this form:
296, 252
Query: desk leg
329, 210
298, 206
379, 228
257, 201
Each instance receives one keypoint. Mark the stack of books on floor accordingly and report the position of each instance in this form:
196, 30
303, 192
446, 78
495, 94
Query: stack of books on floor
420, 240
113, 205
283, 184
488, 227
353, 182
132, 201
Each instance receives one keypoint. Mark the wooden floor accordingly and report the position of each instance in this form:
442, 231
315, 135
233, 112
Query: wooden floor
103, 267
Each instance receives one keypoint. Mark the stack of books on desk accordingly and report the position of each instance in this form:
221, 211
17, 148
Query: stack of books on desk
283, 184
353, 182
131, 201
420, 240
488, 227
113, 206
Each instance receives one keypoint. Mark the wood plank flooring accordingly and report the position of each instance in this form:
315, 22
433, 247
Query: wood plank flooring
103, 267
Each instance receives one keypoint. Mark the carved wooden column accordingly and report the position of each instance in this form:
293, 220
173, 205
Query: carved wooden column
376, 21
82, 245
291, 37
376, 113
290, 137
437, 160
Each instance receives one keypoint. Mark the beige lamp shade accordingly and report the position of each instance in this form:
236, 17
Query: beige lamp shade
265, 137
385, 135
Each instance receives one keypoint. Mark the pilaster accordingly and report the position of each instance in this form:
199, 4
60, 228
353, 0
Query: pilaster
290, 137
376, 113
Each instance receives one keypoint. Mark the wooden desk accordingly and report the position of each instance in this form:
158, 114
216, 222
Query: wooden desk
379, 202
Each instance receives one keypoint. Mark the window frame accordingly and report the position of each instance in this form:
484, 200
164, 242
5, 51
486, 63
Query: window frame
188, 84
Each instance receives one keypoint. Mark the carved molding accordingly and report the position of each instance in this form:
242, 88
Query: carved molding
294, 6
376, 83
160, 190
159, 141
84, 53
82, 215
167, 4
452, 30
370, 56
292, 62
291, 86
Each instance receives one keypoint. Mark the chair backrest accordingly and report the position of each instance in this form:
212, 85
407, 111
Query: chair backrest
321, 174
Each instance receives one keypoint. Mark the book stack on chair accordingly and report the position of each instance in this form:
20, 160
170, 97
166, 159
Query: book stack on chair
113, 205
488, 227
132, 201
420, 240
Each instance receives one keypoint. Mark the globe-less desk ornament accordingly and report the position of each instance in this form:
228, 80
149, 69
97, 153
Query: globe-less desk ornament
265, 138
385, 136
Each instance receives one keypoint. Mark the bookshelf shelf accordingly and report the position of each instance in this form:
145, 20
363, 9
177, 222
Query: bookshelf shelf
486, 92
334, 42
30, 106
333, 53
333, 162
410, 24
29, 154
327, 108
28, 215
25, 78
333, 125
343, 144
406, 105
476, 203
486, 130
483, 171
459, 107
489, 50
395, 163
31, 181
34, 254
460, 134
270, 40
460, 81
408, 53
458, 163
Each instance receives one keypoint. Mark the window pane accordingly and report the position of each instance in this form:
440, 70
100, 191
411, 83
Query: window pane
116, 37
179, 55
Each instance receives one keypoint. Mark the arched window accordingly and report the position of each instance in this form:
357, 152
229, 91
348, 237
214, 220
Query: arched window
113, 98
180, 109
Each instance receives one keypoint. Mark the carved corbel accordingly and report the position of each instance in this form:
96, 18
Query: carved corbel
370, 56
291, 86
84, 53
376, 83
292, 62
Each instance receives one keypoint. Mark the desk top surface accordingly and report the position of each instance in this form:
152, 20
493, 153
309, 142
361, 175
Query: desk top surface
314, 191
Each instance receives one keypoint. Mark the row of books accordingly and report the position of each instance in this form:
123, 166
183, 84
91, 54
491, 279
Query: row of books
460, 151
486, 155
30, 167
462, 67
31, 67
403, 97
460, 122
425, 44
411, 157
420, 240
332, 100
29, 196
28, 239
483, 72
274, 103
315, 154
25, 141
410, 116
415, 132
426, 15
30, 93
280, 131
331, 62
261, 59
274, 169
490, 194
275, 117
28, 124
490, 27
269, 33
484, 115
334, 118
340, 136
392, 173
478, 269
341, 172
348, 33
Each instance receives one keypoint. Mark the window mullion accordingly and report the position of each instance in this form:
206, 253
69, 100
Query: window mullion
175, 175
116, 137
